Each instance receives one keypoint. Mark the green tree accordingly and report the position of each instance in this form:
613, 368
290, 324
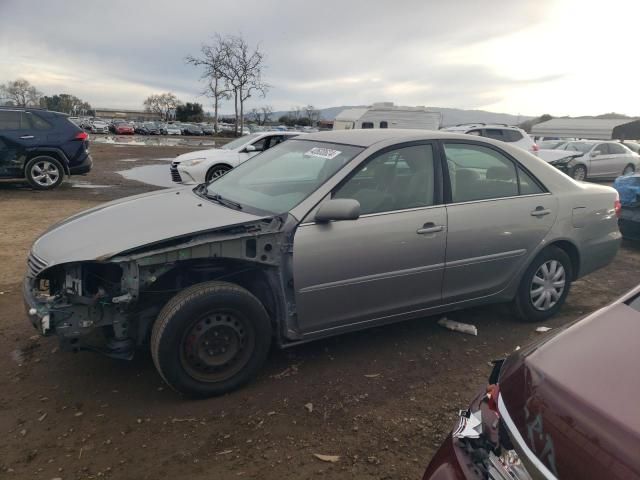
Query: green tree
66, 103
189, 112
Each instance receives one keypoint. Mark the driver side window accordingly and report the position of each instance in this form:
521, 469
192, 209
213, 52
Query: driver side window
399, 179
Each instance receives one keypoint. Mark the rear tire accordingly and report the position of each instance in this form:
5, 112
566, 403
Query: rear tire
44, 173
210, 339
216, 172
544, 286
629, 170
579, 173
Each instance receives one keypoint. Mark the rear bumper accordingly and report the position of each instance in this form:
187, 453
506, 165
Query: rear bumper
629, 223
83, 167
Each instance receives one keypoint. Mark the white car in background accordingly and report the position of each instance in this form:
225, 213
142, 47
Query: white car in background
170, 129
512, 135
205, 165
99, 126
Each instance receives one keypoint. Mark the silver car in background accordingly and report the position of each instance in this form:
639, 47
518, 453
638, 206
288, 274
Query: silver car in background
323, 234
597, 159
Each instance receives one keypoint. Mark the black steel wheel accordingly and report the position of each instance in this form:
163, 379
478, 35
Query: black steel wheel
210, 339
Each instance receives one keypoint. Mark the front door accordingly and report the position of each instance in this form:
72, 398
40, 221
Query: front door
497, 215
602, 161
386, 263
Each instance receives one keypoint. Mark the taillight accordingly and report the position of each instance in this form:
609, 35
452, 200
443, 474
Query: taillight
493, 391
617, 206
535, 147
81, 136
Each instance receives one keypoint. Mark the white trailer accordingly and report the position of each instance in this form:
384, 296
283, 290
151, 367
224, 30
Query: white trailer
387, 115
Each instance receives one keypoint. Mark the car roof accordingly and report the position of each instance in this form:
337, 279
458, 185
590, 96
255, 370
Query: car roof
368, 137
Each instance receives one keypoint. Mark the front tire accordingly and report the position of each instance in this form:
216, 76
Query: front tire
210, 339
544, 286
216, 172
44, 173
579, 173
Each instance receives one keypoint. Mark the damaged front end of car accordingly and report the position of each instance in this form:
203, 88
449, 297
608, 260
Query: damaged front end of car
109, 304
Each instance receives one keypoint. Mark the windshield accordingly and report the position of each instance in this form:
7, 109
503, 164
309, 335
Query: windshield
280, 178
238, 142
582, 147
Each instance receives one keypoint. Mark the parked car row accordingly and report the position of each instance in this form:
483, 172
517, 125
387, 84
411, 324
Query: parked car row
124, 127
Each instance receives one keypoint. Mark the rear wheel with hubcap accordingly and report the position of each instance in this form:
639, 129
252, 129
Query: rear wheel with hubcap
544, 286
579, 173
44, 173
210, 339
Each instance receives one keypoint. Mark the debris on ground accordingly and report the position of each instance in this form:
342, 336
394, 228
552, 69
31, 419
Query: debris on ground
372, 375
458, 326
287, 372
542, 329
327, 458
309, 407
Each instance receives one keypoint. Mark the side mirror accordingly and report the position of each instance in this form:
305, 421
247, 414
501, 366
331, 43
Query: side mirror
250, 148
338, 209
595, 153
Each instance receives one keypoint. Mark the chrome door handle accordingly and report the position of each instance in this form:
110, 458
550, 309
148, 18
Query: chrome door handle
429, 228
27, 137
540, 212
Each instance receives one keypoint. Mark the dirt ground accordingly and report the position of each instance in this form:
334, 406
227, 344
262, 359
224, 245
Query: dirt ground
382, 399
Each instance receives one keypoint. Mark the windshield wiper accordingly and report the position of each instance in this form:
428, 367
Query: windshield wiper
223, 201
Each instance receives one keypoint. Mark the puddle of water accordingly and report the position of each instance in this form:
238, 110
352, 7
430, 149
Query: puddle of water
153, 141
80, 184
168, 159
157, 175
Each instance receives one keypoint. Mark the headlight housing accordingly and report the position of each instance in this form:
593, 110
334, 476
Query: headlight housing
193, 162
562, 161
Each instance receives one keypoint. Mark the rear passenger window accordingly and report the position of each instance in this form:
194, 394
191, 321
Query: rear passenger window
512, 135
528, 186
616, 149
479, 173
384, 124
367, 124
495, 133
10, 120
38, 123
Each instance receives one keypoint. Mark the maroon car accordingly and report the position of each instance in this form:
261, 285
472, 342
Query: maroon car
123, 129
567, 406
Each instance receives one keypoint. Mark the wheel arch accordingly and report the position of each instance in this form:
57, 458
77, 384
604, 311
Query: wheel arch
262, 281
49, 152
218, 164
572, 252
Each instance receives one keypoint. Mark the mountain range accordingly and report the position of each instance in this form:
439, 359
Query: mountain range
450, 116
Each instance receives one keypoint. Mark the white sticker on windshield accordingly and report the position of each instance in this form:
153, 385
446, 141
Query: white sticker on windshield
327, 153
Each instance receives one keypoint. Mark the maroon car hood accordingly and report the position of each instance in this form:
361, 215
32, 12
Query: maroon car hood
575, 397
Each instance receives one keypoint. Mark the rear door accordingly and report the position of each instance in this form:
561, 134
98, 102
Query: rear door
620, 158
497, 215
601, 161
16, 138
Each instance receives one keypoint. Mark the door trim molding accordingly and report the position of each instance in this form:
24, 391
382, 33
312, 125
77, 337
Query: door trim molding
486, 258
373, 277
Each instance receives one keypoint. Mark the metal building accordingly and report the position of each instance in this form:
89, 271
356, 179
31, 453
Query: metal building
591, 128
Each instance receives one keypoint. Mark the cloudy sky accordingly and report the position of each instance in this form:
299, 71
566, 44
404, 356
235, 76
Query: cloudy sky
564, 57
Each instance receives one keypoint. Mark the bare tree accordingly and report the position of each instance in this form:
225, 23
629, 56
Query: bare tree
162, 104
312, 114
261, 115
213, 62
20, 93
243, 71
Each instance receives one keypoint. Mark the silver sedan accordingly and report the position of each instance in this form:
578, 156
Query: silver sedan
325, 233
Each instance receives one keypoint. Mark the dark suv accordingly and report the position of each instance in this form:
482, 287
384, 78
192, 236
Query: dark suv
41, 147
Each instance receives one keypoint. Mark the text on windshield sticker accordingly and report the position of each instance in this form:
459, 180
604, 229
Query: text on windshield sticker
327, 153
